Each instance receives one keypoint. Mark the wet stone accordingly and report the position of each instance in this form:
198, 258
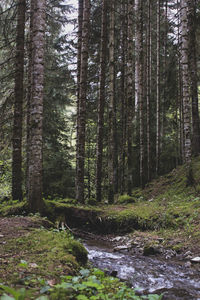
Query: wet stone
195, 259
121, 248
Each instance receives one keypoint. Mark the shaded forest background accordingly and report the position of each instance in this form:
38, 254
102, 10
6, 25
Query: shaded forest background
134, 112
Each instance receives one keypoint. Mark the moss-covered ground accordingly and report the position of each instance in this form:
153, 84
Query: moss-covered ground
31, 255
49, 264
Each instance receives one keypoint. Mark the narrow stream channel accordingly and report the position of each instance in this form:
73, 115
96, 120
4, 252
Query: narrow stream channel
147, 273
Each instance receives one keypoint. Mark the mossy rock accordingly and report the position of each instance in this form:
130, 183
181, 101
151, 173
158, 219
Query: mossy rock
150, 250
77, 250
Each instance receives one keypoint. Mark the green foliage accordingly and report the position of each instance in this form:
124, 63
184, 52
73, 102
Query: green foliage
20, 294
90, 284
5, 176
12, 207
125, 199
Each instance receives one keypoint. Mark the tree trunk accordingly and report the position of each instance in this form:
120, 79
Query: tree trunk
180, 90
164, 77
82, 104
185, 81
36, 107
112, 112
123, 96
101, 101
139, 80
80, 25
192, 25
130, 96
148, 97
18, 105
158, 90
28, 92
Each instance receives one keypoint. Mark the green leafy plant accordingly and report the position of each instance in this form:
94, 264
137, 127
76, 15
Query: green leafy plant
17, 294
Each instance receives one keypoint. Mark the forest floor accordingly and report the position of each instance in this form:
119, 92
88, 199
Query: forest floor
33, 255
38, 261
163, 219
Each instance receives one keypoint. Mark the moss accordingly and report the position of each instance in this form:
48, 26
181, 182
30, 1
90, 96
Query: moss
178, 247
125, 199
78, 250
48, 253
13, 208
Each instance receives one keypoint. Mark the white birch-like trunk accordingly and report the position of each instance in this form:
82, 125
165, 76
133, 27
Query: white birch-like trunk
185, 82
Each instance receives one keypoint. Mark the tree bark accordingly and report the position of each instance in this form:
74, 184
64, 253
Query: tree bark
112, 115
139, 80
80, 25
148, 97
180, 90
18, 105
101, 101
82, 104
36, 107
158, 89
123, 96
185, 82
130, 97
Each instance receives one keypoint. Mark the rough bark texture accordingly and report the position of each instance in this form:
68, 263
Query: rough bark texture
28, 91
18, 105
123, 96
185, 82
148, 96
180, 91
36, 107
80, 23
193, 76
130, 96
111, 155
82, 104
163, 75
158, 89
139, 80
101, 101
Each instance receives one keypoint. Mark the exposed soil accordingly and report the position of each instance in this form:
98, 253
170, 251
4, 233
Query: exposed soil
14, 227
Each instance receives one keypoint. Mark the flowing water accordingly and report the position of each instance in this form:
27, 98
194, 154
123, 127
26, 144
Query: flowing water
150, 274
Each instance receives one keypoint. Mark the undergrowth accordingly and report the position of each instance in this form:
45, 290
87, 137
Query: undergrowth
46, 265
89, 284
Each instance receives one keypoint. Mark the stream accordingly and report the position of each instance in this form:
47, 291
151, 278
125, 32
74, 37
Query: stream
148, 274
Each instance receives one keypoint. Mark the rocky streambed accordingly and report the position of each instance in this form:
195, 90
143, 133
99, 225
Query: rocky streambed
152, 269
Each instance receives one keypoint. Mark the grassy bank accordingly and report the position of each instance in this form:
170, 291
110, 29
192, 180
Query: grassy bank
166, 206
49, 264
